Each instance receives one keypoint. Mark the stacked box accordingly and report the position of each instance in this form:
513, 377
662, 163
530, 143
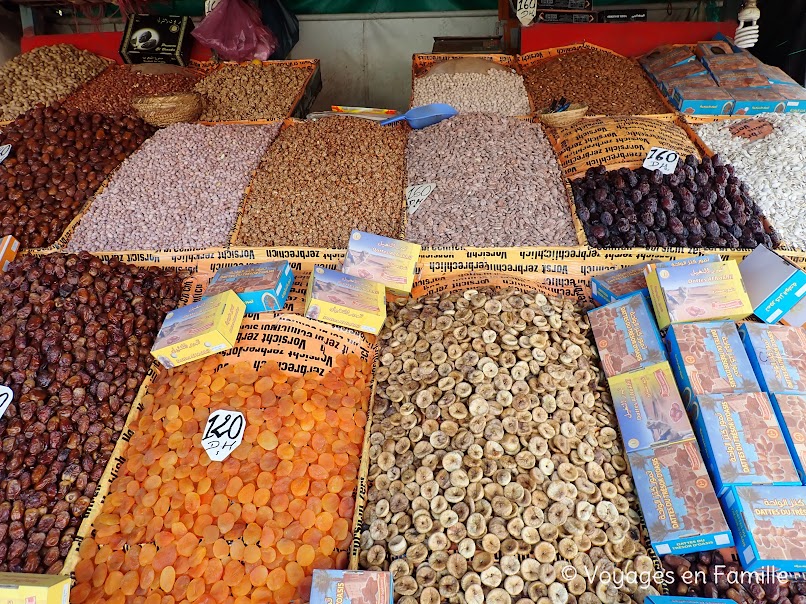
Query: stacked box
702, 100
387, 261
345, 300
778, 356
752, 101
742, 441
791, 412
620, 283
774, 283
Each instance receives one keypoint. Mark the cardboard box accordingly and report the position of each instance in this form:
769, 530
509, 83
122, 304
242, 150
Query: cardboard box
796, 316
620, 283
666, 56
776, 75
627, 15
769, 524
791, 412
713, 48
752, 101
626, 335
157, 39
734, 61
698, 81
742, 441
390, 262
702, 100
351, 586
680, 507
25, 588
689, 69
8, 251
262, 287
794, 95
565, 16
697, 292
774, 284
199, 330
709, 358
778, 356
345, 300
648, 407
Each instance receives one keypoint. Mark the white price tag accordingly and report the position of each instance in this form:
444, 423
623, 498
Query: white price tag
526, 11
223, 433
417, 194
664, 160
5, 151
6, 396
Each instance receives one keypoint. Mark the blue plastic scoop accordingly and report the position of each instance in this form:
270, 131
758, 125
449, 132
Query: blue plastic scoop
424, 116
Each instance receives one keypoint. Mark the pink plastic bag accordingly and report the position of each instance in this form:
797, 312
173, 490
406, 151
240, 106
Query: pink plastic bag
234, 30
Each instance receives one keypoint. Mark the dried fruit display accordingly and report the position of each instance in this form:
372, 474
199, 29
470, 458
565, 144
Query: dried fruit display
181, 527
75, 341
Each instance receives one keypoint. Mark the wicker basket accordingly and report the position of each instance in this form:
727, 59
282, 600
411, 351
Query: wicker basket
566, 118
164, 110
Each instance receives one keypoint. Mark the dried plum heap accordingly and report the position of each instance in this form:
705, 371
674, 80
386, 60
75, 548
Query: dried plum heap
701, 204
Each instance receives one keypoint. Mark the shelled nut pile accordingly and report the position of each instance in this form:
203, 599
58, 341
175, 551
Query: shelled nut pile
495, 474
497, 91
75, 339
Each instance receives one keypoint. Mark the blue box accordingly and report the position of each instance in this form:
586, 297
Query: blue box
769, 525
620, 283
710, 100
752, 101
626, 335
262, 287
680, 508
347, 586
795, 96
648, 408
774, 284
791, 412
709, 358
778, 356
738, 433
684, 600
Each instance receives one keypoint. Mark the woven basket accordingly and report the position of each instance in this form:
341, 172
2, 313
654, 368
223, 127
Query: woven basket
164, 110
566, 118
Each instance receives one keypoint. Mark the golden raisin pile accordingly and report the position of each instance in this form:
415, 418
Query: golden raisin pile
178, 527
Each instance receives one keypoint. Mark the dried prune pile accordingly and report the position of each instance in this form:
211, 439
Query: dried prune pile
701, 204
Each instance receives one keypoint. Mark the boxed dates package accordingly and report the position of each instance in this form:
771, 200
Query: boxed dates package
626, 335
778, 356
680, 507
157, 39
262, 287
25, 588
390, 262
774, 284
345, 300
620, 283
791, 412
351, 587
769, 524
741, 441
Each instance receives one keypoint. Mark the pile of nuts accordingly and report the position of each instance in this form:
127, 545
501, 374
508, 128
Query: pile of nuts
701, 204
497, 91
112, 91
251, 92
179, 527
75, 341
58, 160
771, 166
319, 180
607, 83
170, 195
495, 474
497, 184
44, 75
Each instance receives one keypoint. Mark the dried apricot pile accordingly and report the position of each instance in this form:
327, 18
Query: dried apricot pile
178, 527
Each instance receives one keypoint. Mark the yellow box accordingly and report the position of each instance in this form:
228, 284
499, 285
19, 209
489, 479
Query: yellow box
23, 588
198, 330
390, 262
8, 251
345, 300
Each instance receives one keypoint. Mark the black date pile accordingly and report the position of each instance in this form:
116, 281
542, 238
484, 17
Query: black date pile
711, 575
58, 159
701, 204
75, 341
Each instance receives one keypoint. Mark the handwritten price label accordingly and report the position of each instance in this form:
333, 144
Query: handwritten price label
223, 433
664, 160
526, 11
417, 194
5, 151
6, 397
752, 130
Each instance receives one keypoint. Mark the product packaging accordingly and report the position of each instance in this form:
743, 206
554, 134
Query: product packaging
742, 441
565, 16
156, 39
791, 412
697, 81
735, 61
769, 524
351, 587
680, 507
778, 356
697, 292
709, 358
345, 300
713, 48
774, 284
689, 69
702, 100
626, 335
795, 96
685, 600
740, 79
620, 283
776, 75
262, 287
8, 251
390, 262
25, 588
664, 57
752, 101
648, 407
199, 330
796, 316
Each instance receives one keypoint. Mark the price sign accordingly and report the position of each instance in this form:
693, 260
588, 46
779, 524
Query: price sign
5, 151
6, 396
664, 160
417, 194
223, 433
526, 11
752, 130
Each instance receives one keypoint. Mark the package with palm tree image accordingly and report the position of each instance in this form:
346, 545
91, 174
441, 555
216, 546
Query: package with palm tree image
351, 587
345, 300
679, 504
263, 287
390, 262
778, 356
620, 283
791, 412
769, 526
709, 358
649, 409
742, 441
626, 335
